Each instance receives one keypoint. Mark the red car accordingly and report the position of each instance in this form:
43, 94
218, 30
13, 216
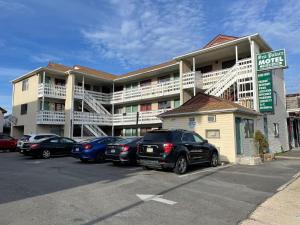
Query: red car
7, 143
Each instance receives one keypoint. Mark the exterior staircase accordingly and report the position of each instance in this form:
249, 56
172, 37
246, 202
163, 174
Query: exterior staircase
94, 130
94, 104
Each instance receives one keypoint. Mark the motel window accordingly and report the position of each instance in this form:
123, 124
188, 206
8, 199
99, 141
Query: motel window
144, 130
128, 132
163, 79
47, 80
60, 82
228, 64
131, 108
164, 105
59, 107
176, 76
205, 69
249, 128
145, 83
46, 105
25, 85
214, 133
146, 107
176, 103
276, 129
275, 97
211, 118
23, 109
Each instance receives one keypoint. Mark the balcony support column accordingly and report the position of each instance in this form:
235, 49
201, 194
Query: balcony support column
82, 105
113, 109
43, 98
236, 53
194, 70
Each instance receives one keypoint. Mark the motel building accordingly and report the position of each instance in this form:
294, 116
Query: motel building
80, 102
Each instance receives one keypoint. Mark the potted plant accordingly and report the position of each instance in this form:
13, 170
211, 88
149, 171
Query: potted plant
261, 143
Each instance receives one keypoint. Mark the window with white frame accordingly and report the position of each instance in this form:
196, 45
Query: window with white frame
213, 133
164, 105
25, 85
211, 118
276, 129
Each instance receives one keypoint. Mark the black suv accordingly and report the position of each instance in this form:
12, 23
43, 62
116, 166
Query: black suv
175, 149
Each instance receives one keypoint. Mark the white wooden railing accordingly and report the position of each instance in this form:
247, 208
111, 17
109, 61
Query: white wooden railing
147, 117
52, 91
50, 117
192, 79
103, 98
92, 118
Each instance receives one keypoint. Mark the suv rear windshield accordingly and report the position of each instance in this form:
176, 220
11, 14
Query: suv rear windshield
159, 136
127, 140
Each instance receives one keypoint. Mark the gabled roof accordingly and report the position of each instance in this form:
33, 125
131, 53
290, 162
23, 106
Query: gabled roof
87, 70
203, 103
3, 110
58, 67
221, 38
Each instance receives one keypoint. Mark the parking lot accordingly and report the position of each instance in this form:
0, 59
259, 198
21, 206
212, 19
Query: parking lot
64, 191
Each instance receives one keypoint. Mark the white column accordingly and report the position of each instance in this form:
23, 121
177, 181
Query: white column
82, 105
254, 75
194, 71
113, 109
180, 81
43, 98
236, 53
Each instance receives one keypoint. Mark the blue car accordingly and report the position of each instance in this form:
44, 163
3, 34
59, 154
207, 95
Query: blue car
93, 149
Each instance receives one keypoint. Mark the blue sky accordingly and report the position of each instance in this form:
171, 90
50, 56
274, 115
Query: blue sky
118, 36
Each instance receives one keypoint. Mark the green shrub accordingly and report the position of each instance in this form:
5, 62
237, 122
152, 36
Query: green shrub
261, 142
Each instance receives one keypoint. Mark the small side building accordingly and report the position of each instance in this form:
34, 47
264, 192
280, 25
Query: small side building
293, 121
2, 112
227, 125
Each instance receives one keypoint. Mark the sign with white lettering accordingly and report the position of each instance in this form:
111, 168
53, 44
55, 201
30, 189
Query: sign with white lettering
265, 91
271, 60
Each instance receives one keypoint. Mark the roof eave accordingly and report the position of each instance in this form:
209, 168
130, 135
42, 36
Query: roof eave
227, 43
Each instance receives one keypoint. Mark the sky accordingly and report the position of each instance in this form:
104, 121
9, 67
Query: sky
119, 36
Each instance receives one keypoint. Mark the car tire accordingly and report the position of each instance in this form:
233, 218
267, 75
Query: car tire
214, 160
181, 165
100, 158
84, 160
115, 163
46, 154
146, 168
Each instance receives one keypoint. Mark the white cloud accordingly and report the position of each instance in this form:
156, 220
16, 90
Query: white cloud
7, 74
143, 33
278, 23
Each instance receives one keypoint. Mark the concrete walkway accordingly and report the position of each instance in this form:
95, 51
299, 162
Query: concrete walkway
292, 154
283, 208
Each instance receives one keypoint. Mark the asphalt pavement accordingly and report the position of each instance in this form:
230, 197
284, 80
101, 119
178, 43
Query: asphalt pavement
64, 191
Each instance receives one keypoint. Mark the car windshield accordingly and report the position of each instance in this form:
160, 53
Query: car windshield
159, 136
25, 137
127, 140
42, 139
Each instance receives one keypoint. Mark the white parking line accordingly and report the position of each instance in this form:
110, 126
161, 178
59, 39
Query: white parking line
206, 170
289, 182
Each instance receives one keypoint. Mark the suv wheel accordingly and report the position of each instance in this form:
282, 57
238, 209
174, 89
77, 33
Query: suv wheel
181, 165
46, 154
214, 159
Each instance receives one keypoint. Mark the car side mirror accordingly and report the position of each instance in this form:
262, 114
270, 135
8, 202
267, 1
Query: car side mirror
205, 141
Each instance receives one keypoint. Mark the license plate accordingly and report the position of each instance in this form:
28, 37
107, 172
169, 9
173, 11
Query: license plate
112, 150
149, 149
77, 149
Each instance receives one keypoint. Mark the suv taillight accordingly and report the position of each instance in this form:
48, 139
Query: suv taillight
87, 146
125, 148
168, 147
34, 146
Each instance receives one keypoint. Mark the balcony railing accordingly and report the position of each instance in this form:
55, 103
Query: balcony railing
92, 118
103, 98
52, 91
51, 117
151, 91
148, 117
192, 80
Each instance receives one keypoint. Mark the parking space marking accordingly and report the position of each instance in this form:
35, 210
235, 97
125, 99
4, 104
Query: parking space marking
157, 198
205, 170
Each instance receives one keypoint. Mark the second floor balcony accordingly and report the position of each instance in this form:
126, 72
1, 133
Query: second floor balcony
52, 91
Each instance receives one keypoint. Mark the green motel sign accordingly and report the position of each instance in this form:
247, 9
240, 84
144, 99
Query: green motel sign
271, 60
265, 91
